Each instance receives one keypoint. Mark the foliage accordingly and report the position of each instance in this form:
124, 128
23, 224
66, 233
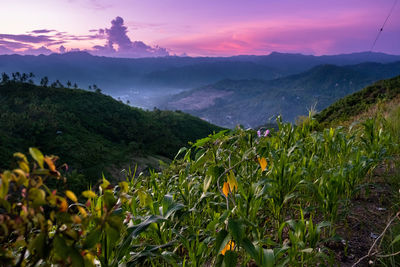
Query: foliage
41, 225
90, 131
232, 198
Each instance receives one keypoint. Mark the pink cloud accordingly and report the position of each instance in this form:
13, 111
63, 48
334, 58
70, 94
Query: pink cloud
120, 45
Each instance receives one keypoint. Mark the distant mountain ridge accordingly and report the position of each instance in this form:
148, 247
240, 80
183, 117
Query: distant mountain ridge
253, 102
114, 74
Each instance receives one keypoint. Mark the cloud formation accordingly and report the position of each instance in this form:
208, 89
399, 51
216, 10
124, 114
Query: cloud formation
120, 45
46, 41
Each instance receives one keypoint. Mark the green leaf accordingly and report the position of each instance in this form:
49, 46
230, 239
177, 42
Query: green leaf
250, 249
172, 209
144, 198
221, 241
37, 196
37, 156
167, 202
236, 230
60, 247
5, 181
109, 199
230, 258
395, 240
207, 183
92, 238
139, 228
268, 258
76, 258
38, 245
181, 151
112, 234
202, 142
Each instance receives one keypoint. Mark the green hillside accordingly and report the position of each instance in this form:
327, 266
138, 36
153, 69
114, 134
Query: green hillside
90, 131
359, 102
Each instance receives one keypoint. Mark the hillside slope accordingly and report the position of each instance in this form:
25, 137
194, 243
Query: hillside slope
88, 130
253, 102
359, 102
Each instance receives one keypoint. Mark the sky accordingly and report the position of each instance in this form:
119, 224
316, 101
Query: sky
146, 28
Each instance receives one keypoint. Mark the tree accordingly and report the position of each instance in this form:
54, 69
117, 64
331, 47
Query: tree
17, 76
24, 77
4, 78
69, 84
59, 84
44, 81
75, 86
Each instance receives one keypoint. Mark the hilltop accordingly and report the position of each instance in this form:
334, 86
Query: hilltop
90, 131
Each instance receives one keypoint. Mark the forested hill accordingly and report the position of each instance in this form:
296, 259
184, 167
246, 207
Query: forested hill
88, 130
383, 91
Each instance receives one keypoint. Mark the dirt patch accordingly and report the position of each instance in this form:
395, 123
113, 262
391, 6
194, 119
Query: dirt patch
366, 220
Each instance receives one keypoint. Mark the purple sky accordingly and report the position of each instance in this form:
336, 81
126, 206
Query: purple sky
132, 28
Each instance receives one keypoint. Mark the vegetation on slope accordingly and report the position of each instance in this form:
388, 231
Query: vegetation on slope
359, 102
90, 131
237, 197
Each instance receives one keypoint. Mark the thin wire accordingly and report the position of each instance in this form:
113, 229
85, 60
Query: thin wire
383, 25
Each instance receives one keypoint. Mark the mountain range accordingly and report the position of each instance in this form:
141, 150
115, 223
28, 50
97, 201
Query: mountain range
227, 91
254, 102
119, 74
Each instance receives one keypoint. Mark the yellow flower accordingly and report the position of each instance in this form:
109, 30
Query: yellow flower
228, 246
263, 163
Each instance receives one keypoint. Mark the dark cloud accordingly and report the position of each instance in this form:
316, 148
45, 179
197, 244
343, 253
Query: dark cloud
26, 38
13, 45
119, 44
56, 43
62, 49
42, 31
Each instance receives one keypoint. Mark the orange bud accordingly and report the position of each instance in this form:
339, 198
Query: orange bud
225, 189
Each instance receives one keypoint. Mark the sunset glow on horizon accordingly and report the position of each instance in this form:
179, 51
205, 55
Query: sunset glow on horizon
131, 28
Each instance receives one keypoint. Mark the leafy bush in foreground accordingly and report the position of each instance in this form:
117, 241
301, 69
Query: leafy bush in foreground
231, 198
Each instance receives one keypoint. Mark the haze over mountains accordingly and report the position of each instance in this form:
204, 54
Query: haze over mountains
254, 102
147, 82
